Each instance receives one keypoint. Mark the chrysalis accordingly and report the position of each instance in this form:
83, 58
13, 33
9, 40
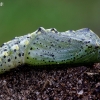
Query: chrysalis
48, 46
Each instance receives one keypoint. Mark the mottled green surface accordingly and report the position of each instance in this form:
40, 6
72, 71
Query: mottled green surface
52, 47
48, 47
18, 17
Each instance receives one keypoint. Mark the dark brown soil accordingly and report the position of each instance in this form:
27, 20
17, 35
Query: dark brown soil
64, 83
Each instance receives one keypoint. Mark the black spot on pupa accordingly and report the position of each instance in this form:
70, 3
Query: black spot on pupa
22, 54
81, 47
99, 51
49, 61
53, 29
52, 45
74, 58
82, 39
88, 41
28, 37
19, 54
70, 30
28, 52
55, 49
9, 60
86, 29
69, 40
39, 29
37, 48
59, 46
5, 49
2, 45
89, 46
14, 50
52, 55
37, 38
96, 47
57, 39
24, 45
4, 56
27, 57
15, 57
31, 48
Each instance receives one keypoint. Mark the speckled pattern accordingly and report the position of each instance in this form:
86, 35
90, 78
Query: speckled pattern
48, 46
12, 53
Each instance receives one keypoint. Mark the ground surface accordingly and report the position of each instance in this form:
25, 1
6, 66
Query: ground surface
74, 83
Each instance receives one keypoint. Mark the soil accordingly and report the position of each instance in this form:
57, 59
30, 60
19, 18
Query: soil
56, 83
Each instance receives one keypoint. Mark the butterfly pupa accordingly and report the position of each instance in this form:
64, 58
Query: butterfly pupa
48, 46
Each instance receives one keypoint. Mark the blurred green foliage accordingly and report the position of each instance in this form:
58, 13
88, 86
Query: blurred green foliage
19, 17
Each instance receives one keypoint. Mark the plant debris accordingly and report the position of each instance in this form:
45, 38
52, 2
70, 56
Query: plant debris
64, 83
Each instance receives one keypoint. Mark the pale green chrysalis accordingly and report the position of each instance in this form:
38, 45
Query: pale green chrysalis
48, 46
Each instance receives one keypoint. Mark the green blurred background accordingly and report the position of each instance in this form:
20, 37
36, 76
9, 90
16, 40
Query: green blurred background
19, 17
